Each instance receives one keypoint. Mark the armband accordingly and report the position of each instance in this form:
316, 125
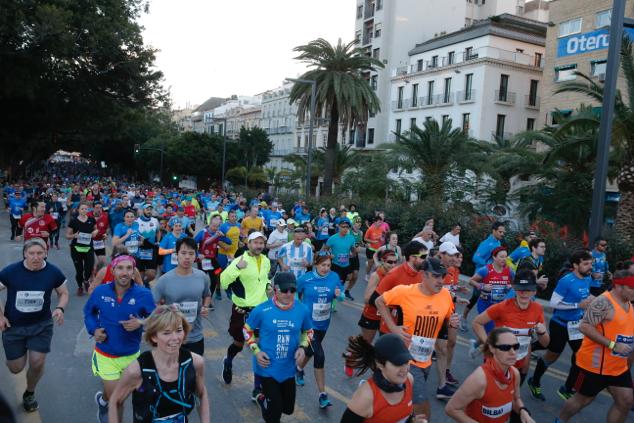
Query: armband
255, 349
60, 308
307, 337
611, 345
525, 409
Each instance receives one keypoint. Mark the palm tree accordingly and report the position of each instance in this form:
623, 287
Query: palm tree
622, 135
437, 152
343, 94
345, 158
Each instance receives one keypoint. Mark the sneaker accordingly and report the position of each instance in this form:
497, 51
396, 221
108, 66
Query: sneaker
433, 356
444, 393
450, 379
349, 371
299, 377
30, 404
463, 325
474, 349
348, 296
261, 401
80, 292
227, 374
255, 393
102, 410
564, 393
324, 402
536, 390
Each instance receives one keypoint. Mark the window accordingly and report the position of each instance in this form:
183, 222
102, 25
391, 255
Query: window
398, 126
414, 95
428, 118
572, 26
379, 4
530, 124
370, 135
357, 36
504, 87
419, 65
299, 141
445, 118
377, 30
499, 127
467, 22
434, 62
468, 53
597, 67
538, 60
565, 73
447, 92
359, 11
468, 86
374, 81
532, 93
451, 57
430, 92
602, 19
412, 123
376, 53
399, 101
351, 137
466, 122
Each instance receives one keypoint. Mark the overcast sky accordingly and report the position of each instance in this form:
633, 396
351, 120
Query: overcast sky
224, 47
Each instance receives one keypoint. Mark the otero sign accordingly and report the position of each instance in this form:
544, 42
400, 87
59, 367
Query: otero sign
586, 42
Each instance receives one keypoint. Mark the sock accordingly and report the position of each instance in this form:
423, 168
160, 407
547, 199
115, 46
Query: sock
540, 369
28, 393
298, 369
103, 402
257, 381
232, 351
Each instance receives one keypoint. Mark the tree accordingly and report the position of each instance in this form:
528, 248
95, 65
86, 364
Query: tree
622, 135
345, 158
371, 178
254, 147
343, 94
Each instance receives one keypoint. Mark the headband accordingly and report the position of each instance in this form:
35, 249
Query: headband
497, 250
626, 281
119, 259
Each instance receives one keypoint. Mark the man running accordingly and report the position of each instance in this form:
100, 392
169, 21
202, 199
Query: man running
600, 267
296, 256
148, 248
38, 224
26, 322
231, 229
16, 205
342, 245
99, 241
189, 289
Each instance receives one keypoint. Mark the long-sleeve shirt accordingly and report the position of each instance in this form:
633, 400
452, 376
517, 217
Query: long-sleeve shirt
482, 256
248, 285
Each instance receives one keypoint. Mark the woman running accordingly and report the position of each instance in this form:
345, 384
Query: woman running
127, 233
81, 230
208, 240
167, 248
391, 245
370, 320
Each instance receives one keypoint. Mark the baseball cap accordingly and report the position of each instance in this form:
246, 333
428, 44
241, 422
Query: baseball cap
345, 221
147, 206
255, 235
435, 267
525, 281
281, 222
391, 348
284, 280
291, 222
448, 247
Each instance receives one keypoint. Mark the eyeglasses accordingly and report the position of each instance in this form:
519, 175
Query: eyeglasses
507, 347
420, 255
603, 245
287, 290
391, 261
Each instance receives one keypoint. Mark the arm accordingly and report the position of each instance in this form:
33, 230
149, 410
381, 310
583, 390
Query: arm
476, 281
518, 404
201, 390
130, 380
360, 406
91, 320
230, 274
375, 256
385, 314
371, 287
557, 302
600, 310
473, 388
70, 233
478, 326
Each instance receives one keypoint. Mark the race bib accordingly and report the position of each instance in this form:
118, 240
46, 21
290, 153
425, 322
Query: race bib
29, 301
573, 331
189, 310
324, 230
132, 246
84, 238
525, 343
99, 245
297, 263
206, 264
497, 412
55, 215
421, 348
343, 258
16, 216
498, 293
145, 254
624, 339
175, 418
174, 259
273, 223
321, 311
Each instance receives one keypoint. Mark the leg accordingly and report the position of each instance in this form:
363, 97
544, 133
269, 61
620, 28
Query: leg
574, 370
36, 369
17, 365
441, 361
368, 335
452, 336
320, 360
353, 279
622, 404
89, 264
573, 406
79, 269
288, 393
419, 394
272, 405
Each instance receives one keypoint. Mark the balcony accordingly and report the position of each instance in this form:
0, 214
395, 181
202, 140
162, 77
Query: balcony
465, 97
532, 102
506, 98
367, 38
281, 152
402, 104
369, 11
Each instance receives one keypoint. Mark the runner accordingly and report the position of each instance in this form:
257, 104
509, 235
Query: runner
392, 245
55, 208
99, 241
426, 308
167, 247
453, 235
26, 322
148, 247
252, 221
342, 245
606, 351
104, 275
355, 264
156, 375
247, 276
127, 233
226, 252
570, 298
492, 391
600, 267
37, 224
375, 238
277, 238
112, 316
284, 332
535, 261
189, 289
208, 240
296, 256
321, 229
317, 290
81, 230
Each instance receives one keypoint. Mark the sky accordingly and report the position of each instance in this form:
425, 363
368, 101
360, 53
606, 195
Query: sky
224, 47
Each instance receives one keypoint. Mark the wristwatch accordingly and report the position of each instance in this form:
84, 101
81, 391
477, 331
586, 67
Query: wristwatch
60, 308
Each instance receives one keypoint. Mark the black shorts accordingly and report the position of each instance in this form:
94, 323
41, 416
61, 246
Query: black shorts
36, 337
369, 253
100, 252
559, 338
150, 264
343, 272
597, 290
236, 323
368, 324
197, 347
590, 384
354, 263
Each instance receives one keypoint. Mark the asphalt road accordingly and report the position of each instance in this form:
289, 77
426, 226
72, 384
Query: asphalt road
66, 391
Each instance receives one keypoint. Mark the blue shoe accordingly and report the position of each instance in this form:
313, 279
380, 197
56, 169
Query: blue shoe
299, 377
324, 402
102, 413
444, 393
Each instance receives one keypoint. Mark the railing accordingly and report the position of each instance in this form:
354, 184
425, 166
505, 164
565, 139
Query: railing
463, 97
369, 11
401, 104
286, 151
367, 38
531, 102
505, 97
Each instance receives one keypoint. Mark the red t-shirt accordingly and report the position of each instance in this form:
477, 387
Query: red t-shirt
33, 226
102, 225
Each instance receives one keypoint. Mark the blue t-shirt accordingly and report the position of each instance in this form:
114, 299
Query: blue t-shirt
17, 206
321, 231
599, 265
279, 337
341, 246
272, 217
29, 292
132, 242
317, 293
167, 243
573, 290
482, 256
519, 253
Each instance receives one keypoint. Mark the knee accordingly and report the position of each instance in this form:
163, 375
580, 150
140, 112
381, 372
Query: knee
37, 363
624, 402
15, 368
320, 359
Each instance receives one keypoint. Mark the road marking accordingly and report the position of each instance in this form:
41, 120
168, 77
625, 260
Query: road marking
84, 344
337, 395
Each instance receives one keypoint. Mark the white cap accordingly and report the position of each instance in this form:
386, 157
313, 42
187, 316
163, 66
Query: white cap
255, 235
281, 222
449, 248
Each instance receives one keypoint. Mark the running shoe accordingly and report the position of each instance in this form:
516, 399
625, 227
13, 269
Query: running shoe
463, 325
444, 393
80, 292
324, 402
30, 404
261, 400
474, 349
299, 377
255, 393
102, 410
450, 379
536, 390
348, 296
349, 371
433, 356
227, 374
564, 393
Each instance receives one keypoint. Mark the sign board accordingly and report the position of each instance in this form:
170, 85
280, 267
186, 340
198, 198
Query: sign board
586, 42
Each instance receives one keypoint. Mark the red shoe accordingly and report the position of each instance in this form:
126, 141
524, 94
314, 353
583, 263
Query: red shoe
349, 371
80, 292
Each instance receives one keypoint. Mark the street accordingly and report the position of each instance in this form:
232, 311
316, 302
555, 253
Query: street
66, 392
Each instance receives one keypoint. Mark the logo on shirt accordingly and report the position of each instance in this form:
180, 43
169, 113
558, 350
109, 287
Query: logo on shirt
132, 301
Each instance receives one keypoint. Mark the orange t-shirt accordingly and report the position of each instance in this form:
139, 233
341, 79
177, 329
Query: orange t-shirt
377, 235
423, 317
402, 274
249, 223
451, 279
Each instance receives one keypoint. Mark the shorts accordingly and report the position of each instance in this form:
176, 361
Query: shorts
559, 338
100, 252
236, 323
151, 264
197, 347
111, 368
590, 384
36, 337
369, 324
354, 264
369, 253
343, 272
419, 394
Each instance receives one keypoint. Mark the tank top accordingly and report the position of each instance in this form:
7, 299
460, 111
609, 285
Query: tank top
108, 277
496, 404
599, 359
501, 282
384, 412
369, 311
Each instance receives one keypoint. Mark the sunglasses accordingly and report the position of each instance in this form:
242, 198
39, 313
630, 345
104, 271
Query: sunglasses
287, 290
603, 245
421, 255
391, 261
507, 347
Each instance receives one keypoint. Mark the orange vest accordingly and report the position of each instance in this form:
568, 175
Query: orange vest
597, 358
384, 412
496, 404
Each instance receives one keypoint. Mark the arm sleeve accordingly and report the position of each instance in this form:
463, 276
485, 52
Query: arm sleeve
199, 236
557, 302
230, 274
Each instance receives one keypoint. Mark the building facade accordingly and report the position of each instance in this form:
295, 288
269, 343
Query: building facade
486, 78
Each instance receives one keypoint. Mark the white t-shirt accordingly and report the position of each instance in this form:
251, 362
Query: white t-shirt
429, 244
276, 236
449, 237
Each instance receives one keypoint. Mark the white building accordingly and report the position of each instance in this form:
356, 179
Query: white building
486, 78
229, 117
387, 30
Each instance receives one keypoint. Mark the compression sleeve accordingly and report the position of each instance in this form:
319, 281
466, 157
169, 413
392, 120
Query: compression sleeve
350, 416
557, 302
251, 340
307, 337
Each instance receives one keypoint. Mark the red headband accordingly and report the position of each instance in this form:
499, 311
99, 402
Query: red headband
497, 250
627, 281
119, 259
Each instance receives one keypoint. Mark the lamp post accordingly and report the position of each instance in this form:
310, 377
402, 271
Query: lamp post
138, 149
313, 102
224, 148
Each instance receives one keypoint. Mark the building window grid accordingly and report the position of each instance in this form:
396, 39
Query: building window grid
412, 123
572, 26
565, 73
597, 67
447, 91
398, 126
414, 95
603, 18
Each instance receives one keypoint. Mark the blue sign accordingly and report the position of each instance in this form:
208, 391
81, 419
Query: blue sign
587, 42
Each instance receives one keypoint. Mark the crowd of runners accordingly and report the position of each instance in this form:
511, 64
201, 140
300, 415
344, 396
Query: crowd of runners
154, 261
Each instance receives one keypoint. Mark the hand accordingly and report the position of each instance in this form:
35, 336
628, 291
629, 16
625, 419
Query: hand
263, 359
100, 335
219, 234
204, 311
337, 292
241, 264
129, 232
585, 303
402, 332
462, 301
300, 354
542, 281
420, 418
58, 316
622, 349
132, 324
269, 290
4, 323
487, 287
454, 321
525, 418
539, 328
44, 234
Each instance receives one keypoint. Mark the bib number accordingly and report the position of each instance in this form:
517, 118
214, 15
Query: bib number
421, 348
343, 259
321, 311
189, 310
29, 301
99, 245
174, 259
573, 331
145, 254
84, 238
206, 264
498, 293
55, 215
624, 339
132, 246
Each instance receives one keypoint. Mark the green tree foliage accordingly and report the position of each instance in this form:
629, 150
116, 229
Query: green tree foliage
254, 147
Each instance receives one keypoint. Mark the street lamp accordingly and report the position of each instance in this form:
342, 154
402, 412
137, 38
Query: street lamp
138, 149
224, 147
313, 100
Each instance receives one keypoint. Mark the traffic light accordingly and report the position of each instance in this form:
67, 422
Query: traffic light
137, 148
174, 177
